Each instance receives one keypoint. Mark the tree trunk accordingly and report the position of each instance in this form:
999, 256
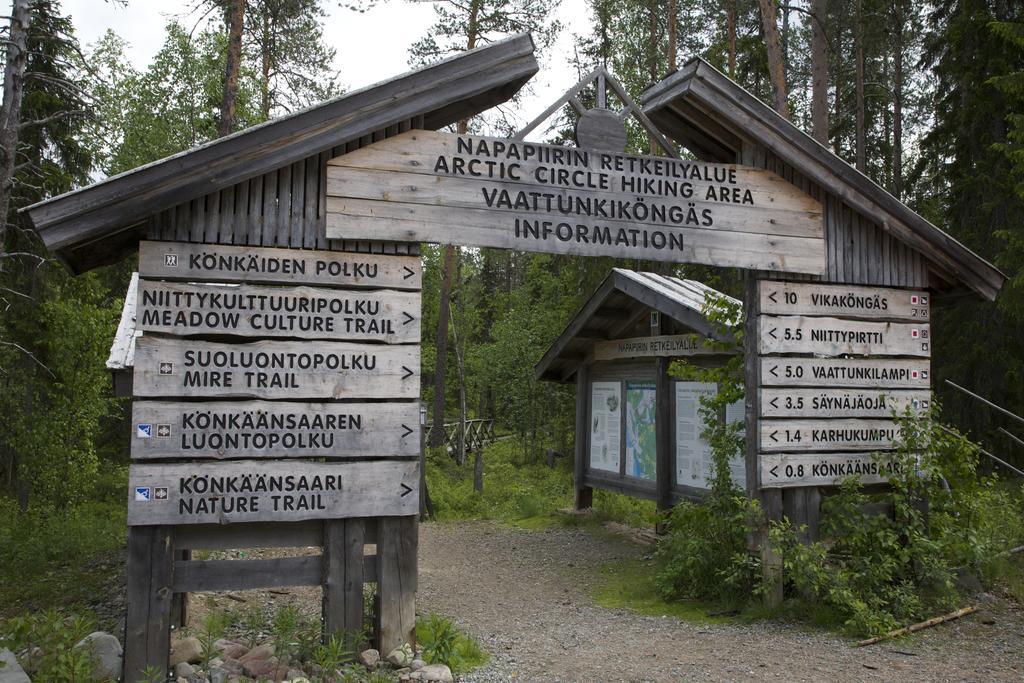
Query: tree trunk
235, 24
897, 104
441, 365
652, 57
10, 110
860, 142
478, 470
268, 48
819, 73
460, 359
776, 62
730, 38
673, 17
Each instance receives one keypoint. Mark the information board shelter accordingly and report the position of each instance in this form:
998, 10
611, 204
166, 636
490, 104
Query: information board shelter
637, 428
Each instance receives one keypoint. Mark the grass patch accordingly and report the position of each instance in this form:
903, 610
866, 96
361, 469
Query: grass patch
630, 584
59, 557
444, 643
527, 495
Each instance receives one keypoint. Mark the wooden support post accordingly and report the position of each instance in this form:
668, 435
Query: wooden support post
397, 545
663, 434
583, 495
771, 499
343, 579
179, 603
147, 637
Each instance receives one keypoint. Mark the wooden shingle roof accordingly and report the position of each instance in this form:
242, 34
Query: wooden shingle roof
702, 109
614, 307
105, 213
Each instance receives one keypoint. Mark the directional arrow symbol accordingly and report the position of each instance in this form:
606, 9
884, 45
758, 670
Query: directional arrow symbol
774, 471
408, 430
408, 373
771, 333
409, 272
406, 490
773, 369
772, 435
774, 402
408, 318
771, 297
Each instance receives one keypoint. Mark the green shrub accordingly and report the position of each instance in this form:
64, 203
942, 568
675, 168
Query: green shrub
704, 555
878, 571
45, 645
443, 643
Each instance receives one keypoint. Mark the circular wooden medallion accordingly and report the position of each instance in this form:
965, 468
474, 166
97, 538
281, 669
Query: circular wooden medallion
601, 129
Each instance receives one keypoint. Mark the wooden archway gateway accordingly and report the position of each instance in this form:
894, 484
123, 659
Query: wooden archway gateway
316, 218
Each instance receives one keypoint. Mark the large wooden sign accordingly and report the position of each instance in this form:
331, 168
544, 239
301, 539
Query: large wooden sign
828, 435
783, 470
881, 373
256, 491
223, 263
837, 337
831, 402
476, 191
273, 429
847, 301
297, 312
651, 347
174, 367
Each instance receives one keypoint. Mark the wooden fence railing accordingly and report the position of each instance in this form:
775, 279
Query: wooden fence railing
478, 433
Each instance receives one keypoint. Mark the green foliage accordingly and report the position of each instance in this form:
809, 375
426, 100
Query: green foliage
443, 643
58, 557
704, 556
44, 643
333, 653
513, 490
879, 571
296, 637
215, 625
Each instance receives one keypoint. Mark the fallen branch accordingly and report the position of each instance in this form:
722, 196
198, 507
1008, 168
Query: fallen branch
934, 621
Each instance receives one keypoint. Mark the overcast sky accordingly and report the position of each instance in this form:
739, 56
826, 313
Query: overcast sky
372, 46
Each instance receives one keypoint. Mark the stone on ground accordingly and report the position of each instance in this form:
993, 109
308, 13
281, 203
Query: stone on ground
437, 673
10, 670
186, 650
401, 656
231, 648
106, 654
369, 658
417, 664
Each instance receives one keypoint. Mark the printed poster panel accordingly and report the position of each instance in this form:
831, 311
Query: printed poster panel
736, 412
694, 461
641, 435
693, 456
605, 426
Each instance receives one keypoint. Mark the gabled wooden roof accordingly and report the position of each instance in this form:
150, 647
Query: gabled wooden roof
712, 116
438, 95
615, 306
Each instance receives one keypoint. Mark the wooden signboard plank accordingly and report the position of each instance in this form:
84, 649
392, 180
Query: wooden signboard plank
261, 491
459, 193
788, 470
836, 337
652, 347
437, 187
273, 429
481, 227
847, 301
173, 367
296, 312
222, 263
828, 435
831, 402
882, 373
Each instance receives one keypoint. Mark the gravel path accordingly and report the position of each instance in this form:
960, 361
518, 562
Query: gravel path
526, 596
